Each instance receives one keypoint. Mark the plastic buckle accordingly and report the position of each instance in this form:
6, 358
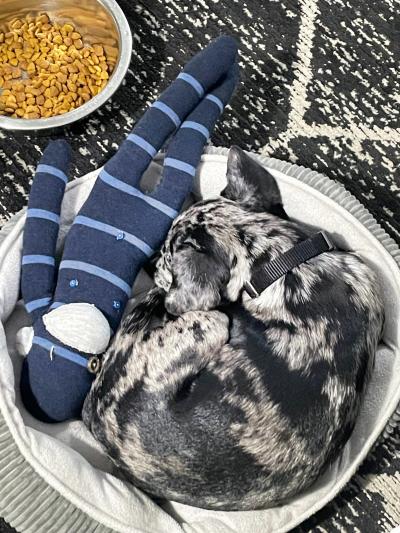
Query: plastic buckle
329, 243
251, 291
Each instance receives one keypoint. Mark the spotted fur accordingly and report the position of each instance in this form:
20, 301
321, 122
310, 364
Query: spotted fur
210, 398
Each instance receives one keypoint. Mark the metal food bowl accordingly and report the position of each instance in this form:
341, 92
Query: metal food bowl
98, 21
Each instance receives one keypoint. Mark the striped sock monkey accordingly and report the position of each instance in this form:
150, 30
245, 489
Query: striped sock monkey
76, 307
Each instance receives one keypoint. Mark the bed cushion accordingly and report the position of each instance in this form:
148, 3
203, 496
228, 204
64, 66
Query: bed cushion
56, 476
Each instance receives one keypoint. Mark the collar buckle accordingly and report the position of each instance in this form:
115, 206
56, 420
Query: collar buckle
251, 291
329, 243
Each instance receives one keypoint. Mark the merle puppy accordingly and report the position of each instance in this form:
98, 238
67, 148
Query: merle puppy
226, 401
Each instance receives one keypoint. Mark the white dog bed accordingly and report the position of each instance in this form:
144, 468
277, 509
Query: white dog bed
56, 478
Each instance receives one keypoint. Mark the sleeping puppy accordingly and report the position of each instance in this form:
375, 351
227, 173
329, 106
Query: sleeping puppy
213, 398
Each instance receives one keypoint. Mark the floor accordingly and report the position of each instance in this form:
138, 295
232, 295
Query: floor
318, 89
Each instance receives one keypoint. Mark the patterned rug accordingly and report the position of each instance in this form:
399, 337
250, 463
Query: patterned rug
319, 86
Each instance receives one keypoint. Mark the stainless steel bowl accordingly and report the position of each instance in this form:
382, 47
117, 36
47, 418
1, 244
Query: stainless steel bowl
98, 21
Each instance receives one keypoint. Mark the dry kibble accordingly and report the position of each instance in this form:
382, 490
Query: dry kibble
43, 63
47, 69
57, 39
61, 77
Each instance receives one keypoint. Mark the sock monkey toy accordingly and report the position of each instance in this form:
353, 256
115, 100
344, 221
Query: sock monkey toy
77, 305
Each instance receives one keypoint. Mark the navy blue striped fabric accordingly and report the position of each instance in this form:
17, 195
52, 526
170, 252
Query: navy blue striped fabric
53, 171
119, 227
37, 304
53, 389
115, 232
197, 127
188, 143
57, 350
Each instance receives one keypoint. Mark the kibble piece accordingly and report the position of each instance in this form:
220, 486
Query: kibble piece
43, 63
11, 100
61, 77
43, 18
68, 28
71, 86
32, 109
57, 39
98, 49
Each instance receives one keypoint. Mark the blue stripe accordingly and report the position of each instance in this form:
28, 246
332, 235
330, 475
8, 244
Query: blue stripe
167, 111
180, 165
216, 100
59, 350
197, 86
196, 126
37, 304
111, 230
42, 213
54, 171
99, 272
122, 186
38, 259
54, 305
139, 141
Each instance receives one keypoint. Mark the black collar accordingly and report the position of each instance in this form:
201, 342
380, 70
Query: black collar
268, 273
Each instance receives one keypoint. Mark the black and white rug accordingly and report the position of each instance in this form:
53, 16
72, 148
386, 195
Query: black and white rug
319, 88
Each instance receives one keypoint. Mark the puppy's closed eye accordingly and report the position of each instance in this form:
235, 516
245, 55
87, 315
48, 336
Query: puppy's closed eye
192, 244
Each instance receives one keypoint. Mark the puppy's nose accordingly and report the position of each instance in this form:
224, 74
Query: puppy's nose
172, 309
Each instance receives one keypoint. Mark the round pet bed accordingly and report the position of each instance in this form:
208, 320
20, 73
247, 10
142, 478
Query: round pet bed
56, 478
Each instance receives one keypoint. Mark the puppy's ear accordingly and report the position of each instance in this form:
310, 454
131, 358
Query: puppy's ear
251, 185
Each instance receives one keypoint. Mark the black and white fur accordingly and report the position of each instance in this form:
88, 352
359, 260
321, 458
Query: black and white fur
225, 402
